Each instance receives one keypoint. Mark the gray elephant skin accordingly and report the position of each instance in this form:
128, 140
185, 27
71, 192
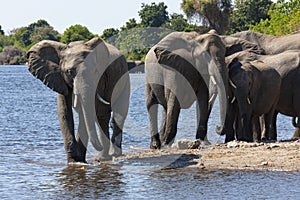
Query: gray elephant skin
256, 89
287, 64
181, 69
269, 43
91, 77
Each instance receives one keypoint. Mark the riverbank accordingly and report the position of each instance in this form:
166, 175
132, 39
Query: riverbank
277, 156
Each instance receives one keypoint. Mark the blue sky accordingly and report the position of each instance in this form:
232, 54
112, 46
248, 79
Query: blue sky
96, 15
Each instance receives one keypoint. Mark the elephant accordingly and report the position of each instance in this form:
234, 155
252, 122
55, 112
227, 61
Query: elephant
287, 64
271, 44
180, 69
91, 77
256, 89
234, 45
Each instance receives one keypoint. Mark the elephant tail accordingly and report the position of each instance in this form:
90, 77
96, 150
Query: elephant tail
295, 122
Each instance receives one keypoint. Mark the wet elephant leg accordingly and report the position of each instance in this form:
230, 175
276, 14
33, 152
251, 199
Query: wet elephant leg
103, 113
152, 108
66, 120
162, 129
173, 110
116, 139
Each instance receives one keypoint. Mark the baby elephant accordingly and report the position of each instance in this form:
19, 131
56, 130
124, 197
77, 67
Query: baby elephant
256, 88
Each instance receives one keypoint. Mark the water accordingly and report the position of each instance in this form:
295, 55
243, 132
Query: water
33, 162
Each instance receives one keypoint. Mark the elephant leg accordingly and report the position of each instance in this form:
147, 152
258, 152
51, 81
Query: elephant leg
269, 120
231, 123
162, 129
82, 137
152, 108
256, 129
173, 110
66, 120
116, 139
296, 134
103, 113
202, 115
271, 134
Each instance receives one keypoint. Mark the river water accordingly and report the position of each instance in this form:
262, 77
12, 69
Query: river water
33, 162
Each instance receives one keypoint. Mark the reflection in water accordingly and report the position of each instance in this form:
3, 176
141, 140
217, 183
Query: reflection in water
84, 181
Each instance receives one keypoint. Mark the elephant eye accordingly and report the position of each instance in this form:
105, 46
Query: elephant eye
71, 72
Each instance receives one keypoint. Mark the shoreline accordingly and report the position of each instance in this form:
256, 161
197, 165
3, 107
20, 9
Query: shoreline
276, 156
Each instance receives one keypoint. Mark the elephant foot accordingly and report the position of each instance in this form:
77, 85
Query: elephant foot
204, 142
76, 160
116, 151
103, 158
155, 142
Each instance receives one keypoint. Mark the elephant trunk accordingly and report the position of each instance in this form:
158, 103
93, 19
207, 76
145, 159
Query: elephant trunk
89, 118
245, 119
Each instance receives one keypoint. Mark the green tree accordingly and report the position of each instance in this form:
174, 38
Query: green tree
210, 13
129, 25
5, 41
177, 22
27, 36
109, 34
153, 15
284, 18
247, 13
75, 33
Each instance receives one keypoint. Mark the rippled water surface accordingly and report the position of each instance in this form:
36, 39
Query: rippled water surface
33, 163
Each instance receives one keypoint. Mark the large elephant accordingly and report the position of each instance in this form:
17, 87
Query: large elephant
256, 89
271, 44
93, 78
287, 64
180, 69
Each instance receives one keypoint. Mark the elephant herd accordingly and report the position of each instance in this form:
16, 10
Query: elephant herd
255, 76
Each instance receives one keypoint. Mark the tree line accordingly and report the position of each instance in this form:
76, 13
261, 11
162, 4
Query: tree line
134, 39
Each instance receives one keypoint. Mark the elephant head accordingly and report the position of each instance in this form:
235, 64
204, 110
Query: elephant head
76, 67
244, 85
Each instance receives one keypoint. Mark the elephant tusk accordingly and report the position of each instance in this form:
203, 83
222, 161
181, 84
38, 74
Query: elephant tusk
212, 98
248, 100
102, 100
213, 80
232, 84
233, 99
75, 101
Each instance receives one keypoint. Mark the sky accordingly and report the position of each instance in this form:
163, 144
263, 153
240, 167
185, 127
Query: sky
96, 15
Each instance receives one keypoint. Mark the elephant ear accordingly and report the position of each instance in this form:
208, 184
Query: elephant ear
43, 63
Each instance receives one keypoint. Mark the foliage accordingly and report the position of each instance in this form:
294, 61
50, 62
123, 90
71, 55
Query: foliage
213, 14
75, 33
284, 19
109, 33
25, 37
12, 55
130, 24
136, 42
153, 15
5, 41
247, 13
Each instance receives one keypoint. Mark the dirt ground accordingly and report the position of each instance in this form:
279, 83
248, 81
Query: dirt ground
276, 156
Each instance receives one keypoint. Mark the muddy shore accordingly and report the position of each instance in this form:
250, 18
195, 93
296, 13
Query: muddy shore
276, 156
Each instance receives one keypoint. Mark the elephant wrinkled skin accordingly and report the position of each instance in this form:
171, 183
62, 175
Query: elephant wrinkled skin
91, 77
256, 88
180, 69
287, 64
